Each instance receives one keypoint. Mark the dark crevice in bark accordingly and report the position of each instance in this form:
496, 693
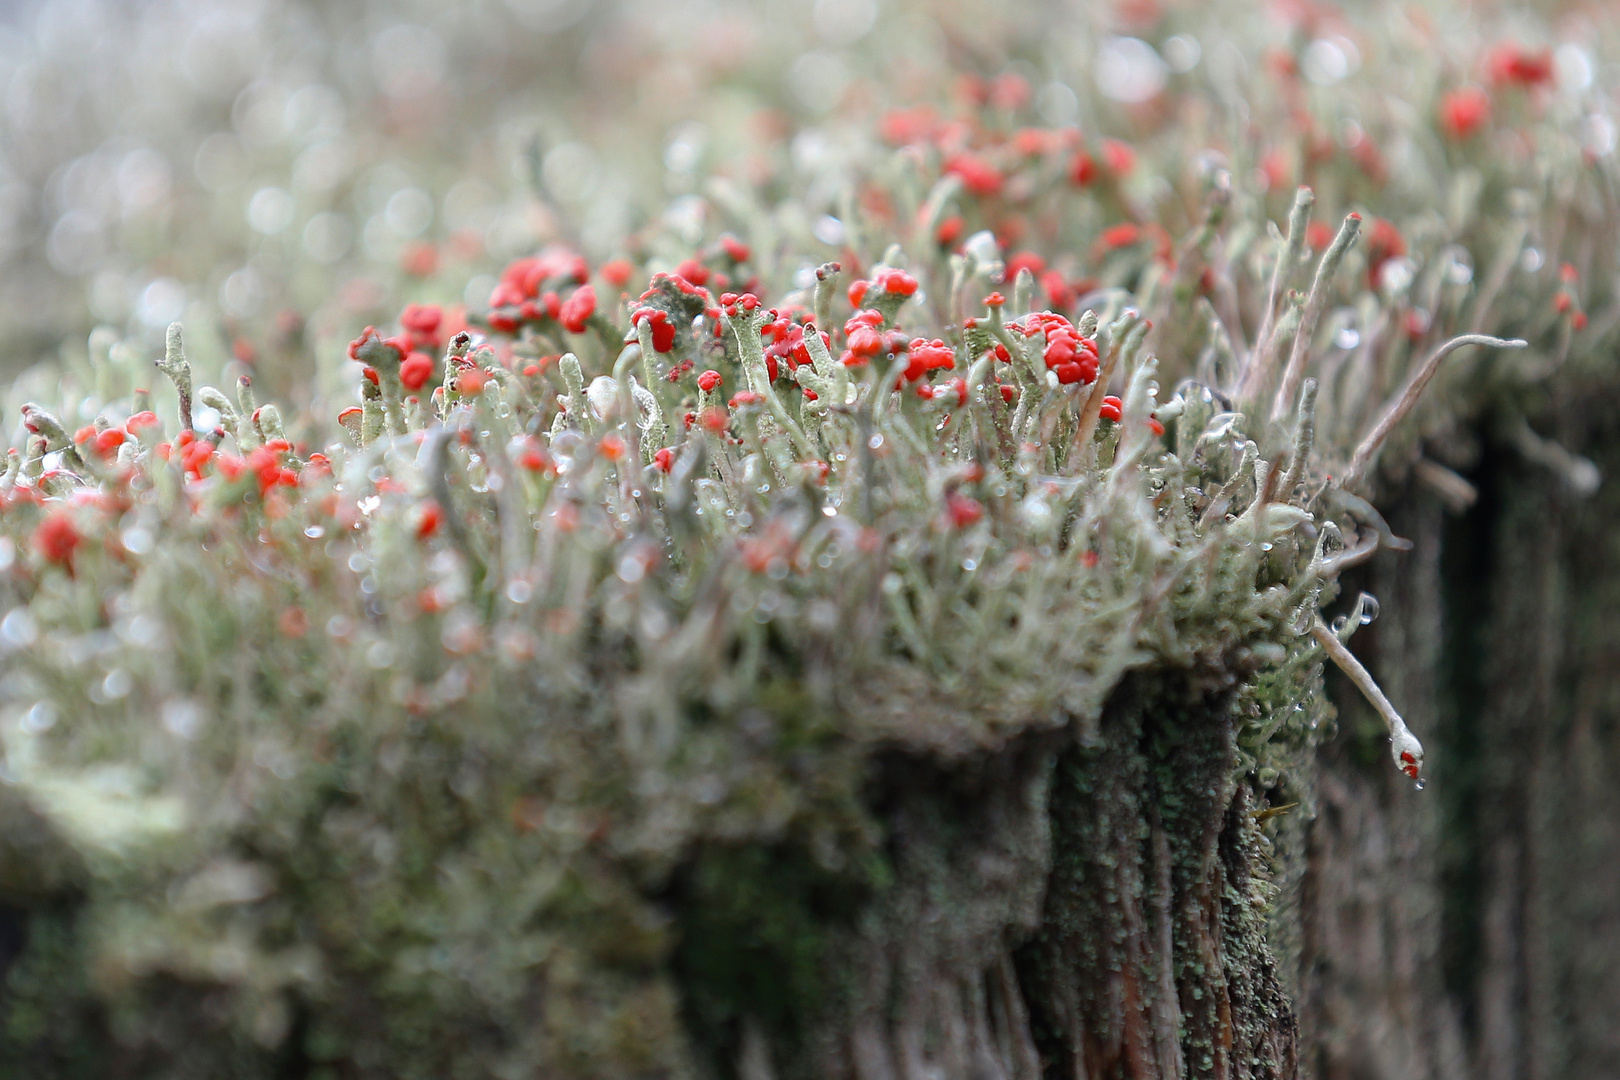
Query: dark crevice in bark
1467, 562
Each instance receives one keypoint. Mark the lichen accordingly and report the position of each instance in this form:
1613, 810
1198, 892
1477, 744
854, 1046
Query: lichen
683, 684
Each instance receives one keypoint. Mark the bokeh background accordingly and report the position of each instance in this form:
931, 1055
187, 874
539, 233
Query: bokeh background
279, 174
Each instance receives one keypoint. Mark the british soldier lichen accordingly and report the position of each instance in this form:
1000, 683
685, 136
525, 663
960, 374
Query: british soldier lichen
511, 646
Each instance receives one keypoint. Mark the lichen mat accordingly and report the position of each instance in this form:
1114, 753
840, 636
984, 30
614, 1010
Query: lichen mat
884, 648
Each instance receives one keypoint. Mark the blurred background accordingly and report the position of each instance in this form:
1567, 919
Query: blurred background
261, 165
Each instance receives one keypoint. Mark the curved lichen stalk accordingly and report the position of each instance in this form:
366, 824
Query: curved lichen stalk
1404, 748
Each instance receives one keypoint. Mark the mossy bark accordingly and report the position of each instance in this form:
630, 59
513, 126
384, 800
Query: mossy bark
1037, 908
1049, 909
1151, 960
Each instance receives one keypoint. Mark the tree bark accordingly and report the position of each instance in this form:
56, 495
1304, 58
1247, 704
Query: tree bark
1472, 929
1056, 910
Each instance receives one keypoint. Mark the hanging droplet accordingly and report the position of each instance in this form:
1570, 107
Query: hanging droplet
1418, 784
1369, 608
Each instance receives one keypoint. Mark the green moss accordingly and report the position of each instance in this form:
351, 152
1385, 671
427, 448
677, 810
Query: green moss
51, 1026
755, 931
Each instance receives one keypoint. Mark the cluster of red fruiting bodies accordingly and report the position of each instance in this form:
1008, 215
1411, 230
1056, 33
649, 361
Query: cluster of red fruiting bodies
866, 335
681, 315
269, 466
423, 331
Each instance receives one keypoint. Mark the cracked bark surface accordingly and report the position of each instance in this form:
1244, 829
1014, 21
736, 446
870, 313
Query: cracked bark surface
1059, 910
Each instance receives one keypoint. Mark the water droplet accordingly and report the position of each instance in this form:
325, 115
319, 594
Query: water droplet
1182, 53
1265, 547
18, 629
1418, 784
970, 565
1531, 260
137, 541
1326, 61
875, 441
314, 532
1396, 274
1339, 622
117, 684
1369, 608
42, 717
183, 717
1347, 338
1130, 70
829, 230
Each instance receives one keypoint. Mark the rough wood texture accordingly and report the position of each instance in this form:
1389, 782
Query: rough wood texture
1054, 910
1151, 960
1373, 998
1546, 989
1470, 930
